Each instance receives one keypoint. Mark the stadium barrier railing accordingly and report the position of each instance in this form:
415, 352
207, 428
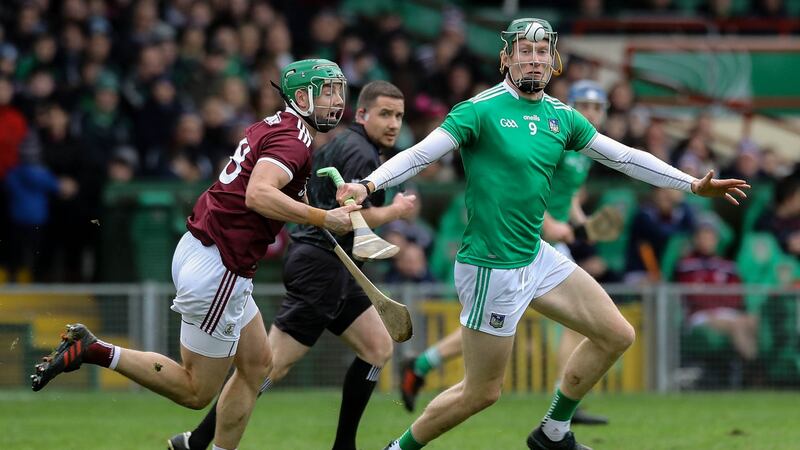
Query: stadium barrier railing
669, 353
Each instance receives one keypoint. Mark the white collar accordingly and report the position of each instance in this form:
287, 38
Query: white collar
289, 110
509, 88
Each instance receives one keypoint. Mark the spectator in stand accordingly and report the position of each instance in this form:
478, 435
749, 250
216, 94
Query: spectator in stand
217, 119
155, 122
400, 63
656, 141
653, 224
279, 44
783, 221
326, 28
73, 44
747, 165
774, 165
415, 239
14, 128
150, 66
12, 133
724, 313
43, 58
29, 24
621, 98
29, 186
250, 37
71, 237
206, 80
123, 165
103, 126
409, 266
8, 60
39, 91
188, 157
236, 96
696, 158
459, 84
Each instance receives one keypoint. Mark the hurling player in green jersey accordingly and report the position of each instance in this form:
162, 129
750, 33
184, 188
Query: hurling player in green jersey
563, 207
511, 137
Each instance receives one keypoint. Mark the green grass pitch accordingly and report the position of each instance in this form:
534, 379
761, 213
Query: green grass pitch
306, 420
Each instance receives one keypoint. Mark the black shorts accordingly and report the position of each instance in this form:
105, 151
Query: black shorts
320, 294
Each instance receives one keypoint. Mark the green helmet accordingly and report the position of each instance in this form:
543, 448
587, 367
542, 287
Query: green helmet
533, 30
311, 75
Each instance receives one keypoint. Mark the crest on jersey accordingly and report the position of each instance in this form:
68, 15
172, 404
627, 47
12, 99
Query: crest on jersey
229, 329
496, 320
554, 125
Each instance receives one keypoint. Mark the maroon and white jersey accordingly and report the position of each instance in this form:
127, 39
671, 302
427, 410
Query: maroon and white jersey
708, 270
220, 216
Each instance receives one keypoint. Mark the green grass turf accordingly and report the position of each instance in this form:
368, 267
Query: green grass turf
306, 420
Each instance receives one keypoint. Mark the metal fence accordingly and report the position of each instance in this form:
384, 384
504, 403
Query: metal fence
670, 354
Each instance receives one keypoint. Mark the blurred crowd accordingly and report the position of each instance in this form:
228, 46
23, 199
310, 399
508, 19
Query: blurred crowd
99, 91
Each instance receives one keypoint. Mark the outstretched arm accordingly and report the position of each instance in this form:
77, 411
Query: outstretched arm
646, 167
402, 166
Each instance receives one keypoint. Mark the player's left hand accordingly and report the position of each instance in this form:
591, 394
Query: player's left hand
709, 187
356, 191
404, 205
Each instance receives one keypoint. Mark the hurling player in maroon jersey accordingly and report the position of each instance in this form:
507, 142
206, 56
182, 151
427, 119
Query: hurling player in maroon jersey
321, 295
233, 222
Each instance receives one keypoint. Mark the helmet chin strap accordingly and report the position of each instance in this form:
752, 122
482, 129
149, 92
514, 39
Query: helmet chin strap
528, 86
307, 116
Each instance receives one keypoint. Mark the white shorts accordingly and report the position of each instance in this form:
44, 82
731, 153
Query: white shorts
214, 303
493, 300
704, 316
563, 249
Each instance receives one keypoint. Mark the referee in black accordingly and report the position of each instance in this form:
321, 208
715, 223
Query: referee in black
320, 293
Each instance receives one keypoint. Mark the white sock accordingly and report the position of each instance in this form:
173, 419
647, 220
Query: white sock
217, 447
264, 386
115, 357
555, 429
374, 373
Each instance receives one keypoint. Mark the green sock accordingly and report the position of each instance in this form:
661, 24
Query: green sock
429, 359
557, 420
407, 441
562, 407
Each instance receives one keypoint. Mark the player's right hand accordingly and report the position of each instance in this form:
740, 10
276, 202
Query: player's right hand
338, 220
356, 191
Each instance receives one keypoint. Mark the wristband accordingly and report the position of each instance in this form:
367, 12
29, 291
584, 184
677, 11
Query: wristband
365, 183
316, 216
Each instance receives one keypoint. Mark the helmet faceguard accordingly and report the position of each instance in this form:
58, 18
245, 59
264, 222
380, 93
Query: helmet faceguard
535, 31
323, 81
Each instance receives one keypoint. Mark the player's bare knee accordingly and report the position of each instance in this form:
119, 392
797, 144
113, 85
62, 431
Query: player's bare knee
378, 351
279, 371
198, 400
256, 368
623, 338
478, 399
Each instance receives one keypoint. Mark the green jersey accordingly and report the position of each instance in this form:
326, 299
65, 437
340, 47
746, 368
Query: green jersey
571, 173
510, 147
